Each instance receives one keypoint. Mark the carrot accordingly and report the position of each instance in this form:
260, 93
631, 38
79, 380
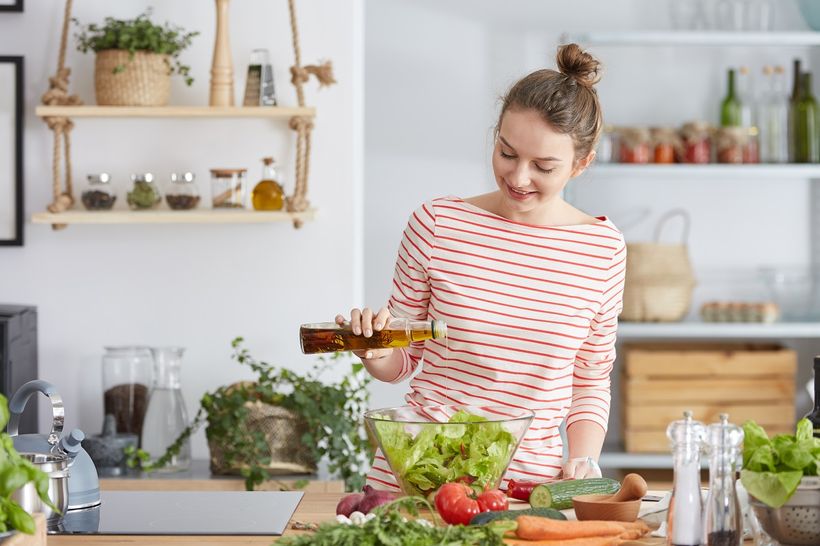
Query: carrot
588, 541
634, 530
535, 528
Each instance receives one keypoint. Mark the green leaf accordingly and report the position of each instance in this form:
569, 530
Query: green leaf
771, 488
4, 411
20, 519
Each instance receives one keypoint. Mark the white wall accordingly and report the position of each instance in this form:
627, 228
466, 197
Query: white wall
196, 286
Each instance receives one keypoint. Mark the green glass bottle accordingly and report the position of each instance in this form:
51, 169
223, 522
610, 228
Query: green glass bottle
730, 108
805, 143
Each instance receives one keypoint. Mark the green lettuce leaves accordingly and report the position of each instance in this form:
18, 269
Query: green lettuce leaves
474, 451
773, 468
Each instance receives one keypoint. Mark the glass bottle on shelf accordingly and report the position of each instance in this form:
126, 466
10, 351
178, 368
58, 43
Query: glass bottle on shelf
722, 518
166, 416
684, 517
773, 116
814, 415
98, 194
805, 131
730, 108
182, 193
126, 375
329, 337
268, 193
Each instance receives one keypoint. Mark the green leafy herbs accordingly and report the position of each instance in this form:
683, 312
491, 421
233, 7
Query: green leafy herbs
138, 34
332, 413
773, 468
476, 451
392, 527
15, 472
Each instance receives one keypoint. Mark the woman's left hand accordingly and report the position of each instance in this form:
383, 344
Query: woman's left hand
579, 468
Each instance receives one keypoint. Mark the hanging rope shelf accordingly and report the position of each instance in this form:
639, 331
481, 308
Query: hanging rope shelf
61, 125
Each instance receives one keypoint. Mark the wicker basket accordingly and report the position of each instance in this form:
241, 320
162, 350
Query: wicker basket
283, 430
145, 80
659, 279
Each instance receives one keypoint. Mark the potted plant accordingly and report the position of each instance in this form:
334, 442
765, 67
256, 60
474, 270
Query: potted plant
283, 422
135, 59
15, 472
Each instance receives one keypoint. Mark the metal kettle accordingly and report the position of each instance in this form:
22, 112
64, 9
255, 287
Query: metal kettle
83, 482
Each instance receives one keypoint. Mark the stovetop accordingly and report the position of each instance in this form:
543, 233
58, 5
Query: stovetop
184, 513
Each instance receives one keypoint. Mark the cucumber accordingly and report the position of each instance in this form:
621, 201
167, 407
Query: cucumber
558, 495
486, 517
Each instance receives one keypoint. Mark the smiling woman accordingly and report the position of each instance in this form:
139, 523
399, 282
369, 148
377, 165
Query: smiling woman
11, 151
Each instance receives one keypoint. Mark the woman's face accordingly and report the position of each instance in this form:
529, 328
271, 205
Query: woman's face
532, 162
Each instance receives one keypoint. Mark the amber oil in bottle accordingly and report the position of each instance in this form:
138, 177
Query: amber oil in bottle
329, 337
268, 193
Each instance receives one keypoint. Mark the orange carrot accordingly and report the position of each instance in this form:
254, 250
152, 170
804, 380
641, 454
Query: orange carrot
535, 528
588, 541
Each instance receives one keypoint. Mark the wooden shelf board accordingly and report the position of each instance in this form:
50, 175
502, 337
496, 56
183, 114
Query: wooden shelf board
698, 38
628, 331
175, 111
764, 171
202, 216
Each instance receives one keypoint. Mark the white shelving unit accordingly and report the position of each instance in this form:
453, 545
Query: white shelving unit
697, 38
767, 172
629, 331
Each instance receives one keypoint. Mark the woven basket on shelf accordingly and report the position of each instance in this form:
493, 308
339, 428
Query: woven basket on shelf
283, 431
144, 80
659, 278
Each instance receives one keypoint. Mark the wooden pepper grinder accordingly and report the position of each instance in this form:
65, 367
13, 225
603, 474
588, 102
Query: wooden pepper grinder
222, 66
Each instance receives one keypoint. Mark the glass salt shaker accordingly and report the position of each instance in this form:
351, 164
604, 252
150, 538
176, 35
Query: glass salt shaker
685, 508
722, 518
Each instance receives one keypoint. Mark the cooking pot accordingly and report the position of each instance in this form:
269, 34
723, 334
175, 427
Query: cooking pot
56, 467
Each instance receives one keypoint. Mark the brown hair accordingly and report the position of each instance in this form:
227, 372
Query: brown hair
565, 98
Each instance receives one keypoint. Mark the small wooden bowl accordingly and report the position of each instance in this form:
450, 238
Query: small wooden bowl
597, 507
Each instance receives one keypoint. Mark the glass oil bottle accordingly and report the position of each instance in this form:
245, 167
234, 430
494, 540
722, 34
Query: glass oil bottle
268, 194
328, 337
685, 507
722, 518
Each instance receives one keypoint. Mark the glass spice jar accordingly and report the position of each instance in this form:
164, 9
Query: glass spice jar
229, 188
607, 146
144, 195
696, 142
98, 194
182, 193
731, 143
634, 145
665, 143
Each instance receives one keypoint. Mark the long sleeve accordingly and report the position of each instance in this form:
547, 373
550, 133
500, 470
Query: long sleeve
411, 287
596, 356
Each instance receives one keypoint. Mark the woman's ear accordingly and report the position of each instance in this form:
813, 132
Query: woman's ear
582, 164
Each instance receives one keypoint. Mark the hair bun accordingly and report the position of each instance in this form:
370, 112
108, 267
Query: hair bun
579, 65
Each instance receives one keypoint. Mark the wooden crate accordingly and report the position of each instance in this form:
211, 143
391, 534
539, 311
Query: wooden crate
661, 381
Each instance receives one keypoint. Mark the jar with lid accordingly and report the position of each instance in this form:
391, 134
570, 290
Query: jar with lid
127, 375
665, 144
98, 193
144, 195
181, 192
229, 188
696, 142
634, 145
731, 144
268, 193
607, 146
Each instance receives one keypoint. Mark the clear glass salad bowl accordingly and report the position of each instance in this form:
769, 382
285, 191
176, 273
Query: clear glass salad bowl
428, 446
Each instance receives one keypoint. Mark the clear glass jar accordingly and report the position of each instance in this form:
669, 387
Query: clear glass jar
144, 195
731, 143
181, 192
607, 146
696, 142
127, 376
166, 416
98, 193
229, 188
634, 145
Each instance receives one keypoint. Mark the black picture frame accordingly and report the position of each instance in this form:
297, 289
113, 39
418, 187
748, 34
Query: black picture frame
16, 6
11, 229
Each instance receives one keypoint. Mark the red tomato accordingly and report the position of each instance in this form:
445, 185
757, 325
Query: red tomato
456, 502
493, 500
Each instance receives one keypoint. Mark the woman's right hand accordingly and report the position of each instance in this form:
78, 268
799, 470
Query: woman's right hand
364, 322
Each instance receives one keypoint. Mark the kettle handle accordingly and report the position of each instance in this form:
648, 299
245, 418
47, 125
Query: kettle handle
18, 404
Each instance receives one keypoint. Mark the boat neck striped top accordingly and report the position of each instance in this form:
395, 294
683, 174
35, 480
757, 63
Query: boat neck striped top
531, 315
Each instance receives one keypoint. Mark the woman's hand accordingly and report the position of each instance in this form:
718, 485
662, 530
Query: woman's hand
363, 322
579, 468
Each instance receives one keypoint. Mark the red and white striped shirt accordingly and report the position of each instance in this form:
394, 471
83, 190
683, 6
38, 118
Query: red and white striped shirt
531, 315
